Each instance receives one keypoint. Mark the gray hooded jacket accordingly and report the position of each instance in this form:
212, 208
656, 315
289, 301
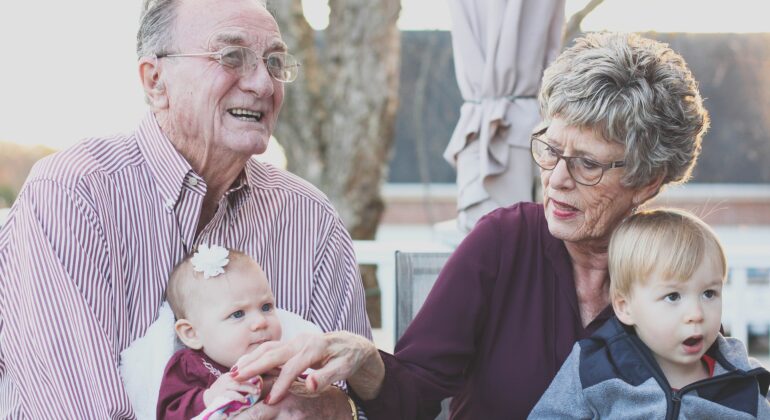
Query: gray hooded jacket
613, 375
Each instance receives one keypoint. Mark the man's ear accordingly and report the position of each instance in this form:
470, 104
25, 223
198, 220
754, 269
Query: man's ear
623, 310
154, 89
648, 191
188, 335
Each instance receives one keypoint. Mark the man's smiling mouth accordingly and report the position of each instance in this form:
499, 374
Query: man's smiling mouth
245, 114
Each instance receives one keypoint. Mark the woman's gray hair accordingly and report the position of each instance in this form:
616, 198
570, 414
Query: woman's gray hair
633, 91
156, 27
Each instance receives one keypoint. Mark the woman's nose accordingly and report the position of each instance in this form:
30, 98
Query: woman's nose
560, 176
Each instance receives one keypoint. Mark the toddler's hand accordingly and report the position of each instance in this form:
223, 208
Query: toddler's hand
231, 390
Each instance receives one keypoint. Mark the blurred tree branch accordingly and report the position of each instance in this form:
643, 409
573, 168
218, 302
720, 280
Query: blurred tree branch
572, 27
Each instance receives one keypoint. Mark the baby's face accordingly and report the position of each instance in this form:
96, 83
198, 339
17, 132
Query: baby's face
234, 313
678, 320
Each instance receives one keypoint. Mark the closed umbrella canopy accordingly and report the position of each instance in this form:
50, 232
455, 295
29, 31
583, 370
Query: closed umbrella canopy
501, 48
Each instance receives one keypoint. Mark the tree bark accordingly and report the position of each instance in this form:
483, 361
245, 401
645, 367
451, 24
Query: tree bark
338, 120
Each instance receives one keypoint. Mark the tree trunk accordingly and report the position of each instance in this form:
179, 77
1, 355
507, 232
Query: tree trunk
338, 120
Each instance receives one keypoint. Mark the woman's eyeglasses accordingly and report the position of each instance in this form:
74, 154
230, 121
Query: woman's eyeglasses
583, 170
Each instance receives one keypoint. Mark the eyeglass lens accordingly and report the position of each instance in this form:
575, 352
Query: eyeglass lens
584, 171
281, 66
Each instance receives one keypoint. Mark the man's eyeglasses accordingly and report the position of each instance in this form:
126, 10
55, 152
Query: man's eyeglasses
583, 170
281, 66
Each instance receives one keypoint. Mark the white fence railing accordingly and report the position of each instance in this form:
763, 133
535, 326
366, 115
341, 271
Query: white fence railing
746, 297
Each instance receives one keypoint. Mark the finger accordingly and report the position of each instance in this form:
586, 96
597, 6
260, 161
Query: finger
234, 396
259, 351
259, 362
246, 388
277, 355
293, 368
267, 384
335, 370
280, 387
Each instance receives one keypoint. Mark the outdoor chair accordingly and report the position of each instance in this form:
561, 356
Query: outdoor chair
415, 274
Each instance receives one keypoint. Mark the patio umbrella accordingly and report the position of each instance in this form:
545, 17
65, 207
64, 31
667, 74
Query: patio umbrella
501, 48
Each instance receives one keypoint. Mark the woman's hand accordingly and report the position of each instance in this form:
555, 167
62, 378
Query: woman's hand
335, 356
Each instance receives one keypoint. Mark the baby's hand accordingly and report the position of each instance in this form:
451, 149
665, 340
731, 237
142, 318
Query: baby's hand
231, 390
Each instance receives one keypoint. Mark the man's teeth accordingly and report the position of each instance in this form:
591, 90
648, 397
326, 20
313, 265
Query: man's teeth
246, 114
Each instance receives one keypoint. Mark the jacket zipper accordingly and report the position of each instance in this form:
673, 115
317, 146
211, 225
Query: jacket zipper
676, 396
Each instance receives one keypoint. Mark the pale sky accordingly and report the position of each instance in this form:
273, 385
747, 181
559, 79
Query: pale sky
66, 75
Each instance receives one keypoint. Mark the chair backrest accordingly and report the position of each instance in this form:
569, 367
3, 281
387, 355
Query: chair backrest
415, 274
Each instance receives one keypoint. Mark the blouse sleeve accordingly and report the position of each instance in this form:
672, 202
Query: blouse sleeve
440, 342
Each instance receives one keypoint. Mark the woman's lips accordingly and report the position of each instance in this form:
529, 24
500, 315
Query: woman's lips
563, 210
693, 344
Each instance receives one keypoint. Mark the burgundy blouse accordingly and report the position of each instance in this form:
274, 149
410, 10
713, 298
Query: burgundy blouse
499, 322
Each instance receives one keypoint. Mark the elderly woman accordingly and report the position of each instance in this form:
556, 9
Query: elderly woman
622, 117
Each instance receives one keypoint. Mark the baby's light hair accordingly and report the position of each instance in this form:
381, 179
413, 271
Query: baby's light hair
183, 279
671, 241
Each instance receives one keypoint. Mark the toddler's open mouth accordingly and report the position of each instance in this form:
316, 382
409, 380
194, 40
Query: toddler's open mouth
693, 344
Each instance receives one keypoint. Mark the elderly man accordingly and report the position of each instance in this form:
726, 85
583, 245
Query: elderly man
88, 246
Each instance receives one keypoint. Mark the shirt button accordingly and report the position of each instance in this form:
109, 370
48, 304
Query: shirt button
192, 181
169, 204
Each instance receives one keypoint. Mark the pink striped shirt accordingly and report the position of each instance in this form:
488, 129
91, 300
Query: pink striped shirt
88, 246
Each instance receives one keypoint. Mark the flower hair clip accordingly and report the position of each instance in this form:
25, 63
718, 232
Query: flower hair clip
210, 260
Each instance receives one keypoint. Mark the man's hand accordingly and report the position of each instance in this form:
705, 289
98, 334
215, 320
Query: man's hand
227, 387
299, 404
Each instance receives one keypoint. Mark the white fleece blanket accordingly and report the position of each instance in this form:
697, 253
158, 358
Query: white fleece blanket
143, 362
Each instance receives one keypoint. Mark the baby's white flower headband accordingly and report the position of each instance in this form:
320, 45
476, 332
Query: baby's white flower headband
210, 260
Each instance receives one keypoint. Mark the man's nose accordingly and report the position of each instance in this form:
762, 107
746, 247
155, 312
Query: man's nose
258, 80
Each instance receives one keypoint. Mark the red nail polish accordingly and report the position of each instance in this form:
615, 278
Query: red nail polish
267, 399
234, 368
313, 384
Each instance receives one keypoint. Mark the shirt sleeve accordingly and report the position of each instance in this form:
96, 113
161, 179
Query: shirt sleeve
564, 397
338, 301
440, 343
57, 340
181, 392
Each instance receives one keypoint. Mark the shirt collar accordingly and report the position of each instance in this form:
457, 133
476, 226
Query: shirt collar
239, 192
166, 164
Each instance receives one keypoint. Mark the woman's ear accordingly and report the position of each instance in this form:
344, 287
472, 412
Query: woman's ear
648, 191
154, 89
623, 310
186, 332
